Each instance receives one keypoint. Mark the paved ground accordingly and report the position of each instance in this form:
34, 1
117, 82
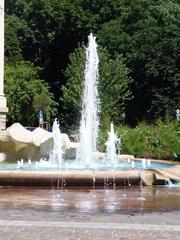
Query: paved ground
29, 224
37, 230
30, 214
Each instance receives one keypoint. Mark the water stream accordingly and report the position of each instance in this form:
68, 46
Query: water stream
56, 156
90, 106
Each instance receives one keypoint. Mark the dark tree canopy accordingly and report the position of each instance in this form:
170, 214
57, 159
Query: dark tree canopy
144, 34
148, 36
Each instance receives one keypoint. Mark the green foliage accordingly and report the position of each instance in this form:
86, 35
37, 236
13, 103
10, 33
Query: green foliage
22, 86
134, 141
114, 84
41, 101
158, 141
147, 34
72, 91
52, 29
165, 140
13, 51
114, 88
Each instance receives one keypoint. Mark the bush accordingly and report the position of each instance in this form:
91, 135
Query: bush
159, 141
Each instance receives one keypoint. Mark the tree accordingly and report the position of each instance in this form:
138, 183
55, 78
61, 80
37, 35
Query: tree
147, 34
13, 51
52, 30
22, 86
115, 83
114, 86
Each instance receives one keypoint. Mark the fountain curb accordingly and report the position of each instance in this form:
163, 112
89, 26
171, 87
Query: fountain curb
87, 177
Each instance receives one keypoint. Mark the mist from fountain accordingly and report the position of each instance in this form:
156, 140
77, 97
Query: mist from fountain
90, 106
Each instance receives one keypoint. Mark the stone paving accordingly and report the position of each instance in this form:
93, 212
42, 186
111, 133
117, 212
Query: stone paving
33, 215
30, 224
34, 230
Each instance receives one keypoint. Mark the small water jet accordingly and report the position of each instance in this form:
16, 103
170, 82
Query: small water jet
56, 156
29, 162
144, 163
149, 163
111, 148
132, 164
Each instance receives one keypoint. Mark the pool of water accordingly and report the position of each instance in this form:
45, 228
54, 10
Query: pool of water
73, 166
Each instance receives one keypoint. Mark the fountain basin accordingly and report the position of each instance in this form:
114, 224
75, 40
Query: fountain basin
89, 177
72, 165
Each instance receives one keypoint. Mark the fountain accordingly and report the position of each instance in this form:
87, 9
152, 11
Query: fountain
88, 166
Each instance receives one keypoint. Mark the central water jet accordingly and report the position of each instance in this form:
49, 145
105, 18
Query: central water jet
90, 106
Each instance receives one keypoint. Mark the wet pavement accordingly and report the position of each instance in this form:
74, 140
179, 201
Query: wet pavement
133, 213
120, 201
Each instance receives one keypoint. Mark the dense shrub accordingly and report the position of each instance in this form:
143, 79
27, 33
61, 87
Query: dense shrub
159, 141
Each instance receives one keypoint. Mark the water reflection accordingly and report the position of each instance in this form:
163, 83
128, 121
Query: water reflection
88, 200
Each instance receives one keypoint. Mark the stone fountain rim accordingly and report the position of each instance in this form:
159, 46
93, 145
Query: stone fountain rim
82, 178
159, 161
